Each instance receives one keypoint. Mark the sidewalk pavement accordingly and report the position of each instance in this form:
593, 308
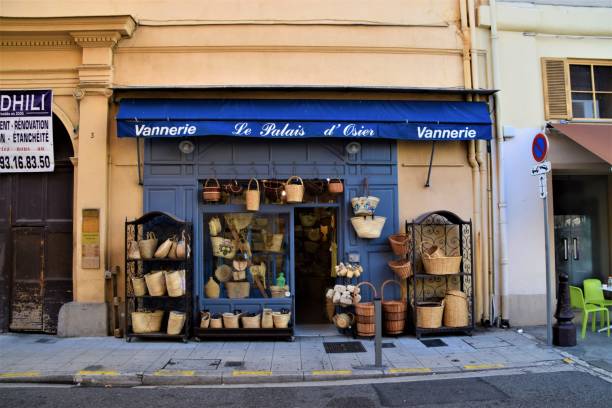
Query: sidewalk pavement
110, 361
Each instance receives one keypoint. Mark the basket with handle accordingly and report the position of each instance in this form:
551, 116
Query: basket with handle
394, 311
400, 244
429, 314
401, 267
456, 309
253, 196
295, 192
364, 314
436, 262
211, 192
369, 226
176, 321
251, 322
156, 283
335, 186
281, 320
148, 245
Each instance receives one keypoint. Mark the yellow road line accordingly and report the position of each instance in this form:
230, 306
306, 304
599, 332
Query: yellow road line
98, 372
568, 360
237, 373
20, 374
332, 372
409, 370
169, 373
483, 366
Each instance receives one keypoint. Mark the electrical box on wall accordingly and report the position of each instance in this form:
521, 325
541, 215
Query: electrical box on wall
353, 257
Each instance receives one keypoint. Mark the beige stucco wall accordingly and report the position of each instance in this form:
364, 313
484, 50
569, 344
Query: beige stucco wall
406, 43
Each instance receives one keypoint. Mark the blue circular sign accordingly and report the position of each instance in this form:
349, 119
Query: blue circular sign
539, 147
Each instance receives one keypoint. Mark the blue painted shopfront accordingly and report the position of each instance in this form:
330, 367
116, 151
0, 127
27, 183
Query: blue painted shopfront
173, 180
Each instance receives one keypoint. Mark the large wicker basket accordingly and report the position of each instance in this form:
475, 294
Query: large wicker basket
429, 315
435, 264
456, 309
394, 311
147, 322
364, 314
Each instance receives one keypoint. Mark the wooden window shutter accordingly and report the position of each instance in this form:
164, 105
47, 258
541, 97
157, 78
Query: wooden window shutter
557, 98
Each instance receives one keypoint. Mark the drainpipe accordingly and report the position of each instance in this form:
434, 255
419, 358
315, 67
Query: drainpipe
476, 225
481, 158
501, 194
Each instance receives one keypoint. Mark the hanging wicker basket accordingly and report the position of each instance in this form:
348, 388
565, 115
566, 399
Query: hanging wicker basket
401, 268
253, 196
273, 190
211, 192
456, 309
369, 227
429, 314
335, 186
295, 192
176, 321
436, 263
400, 244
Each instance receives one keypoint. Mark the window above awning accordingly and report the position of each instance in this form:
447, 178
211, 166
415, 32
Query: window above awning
595, 138
294, 119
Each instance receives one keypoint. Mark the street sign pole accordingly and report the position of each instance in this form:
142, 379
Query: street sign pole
548, 277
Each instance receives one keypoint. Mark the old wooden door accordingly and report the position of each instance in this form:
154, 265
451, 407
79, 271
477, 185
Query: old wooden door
41, 241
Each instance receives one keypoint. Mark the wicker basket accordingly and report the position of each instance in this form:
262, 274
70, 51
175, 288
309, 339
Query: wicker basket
231, 320
176, 321
394, 311
211, 193
369, 227
364, 314
216, 323
267, 322
456, 309
400, 244
253, 196
139, 286
401, 268
364, 205
344, 320
147, 322
295, 192
148, 246
429, 315
223, 247
273, 243
281, 320
273, 190
205, 320
335, 186
435, 264
365, 319
156, 284
277, 291
365, 308
251, 322
175, 283
237, 290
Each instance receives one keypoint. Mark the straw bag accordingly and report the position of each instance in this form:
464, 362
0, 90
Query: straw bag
368, 227
211, 193
231, 321
401, 268
343, 320
172, 252
204, 320
147, 322
273, 190
223, 247
164, 248
267, 322
212, 289
216, 322
214, 226
139, 286
176, 321
148, 245
399, 244
182, 248
436, 264
133, 251
281, 320
273, 243
175, 283
237, 290
364, 205
278, 292
429, 314
295, 192
253, 196
364, 314
251, 322
156, 284
394, 311
335, 186
456, 309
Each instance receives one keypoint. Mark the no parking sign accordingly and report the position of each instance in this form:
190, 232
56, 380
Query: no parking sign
539, 147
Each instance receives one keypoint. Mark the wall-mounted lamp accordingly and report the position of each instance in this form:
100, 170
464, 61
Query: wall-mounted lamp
186, 146
353, 147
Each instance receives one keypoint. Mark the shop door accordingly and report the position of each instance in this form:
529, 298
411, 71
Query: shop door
40, 252
574, 247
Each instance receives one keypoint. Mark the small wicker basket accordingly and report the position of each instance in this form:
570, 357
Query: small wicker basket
231, 320
399, 244
251, 322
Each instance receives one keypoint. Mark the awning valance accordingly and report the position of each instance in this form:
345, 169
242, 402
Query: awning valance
597, 138
289, 119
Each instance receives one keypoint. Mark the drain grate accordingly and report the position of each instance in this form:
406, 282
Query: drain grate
45, 341
234, 363
344, 347
434, 343
388, 345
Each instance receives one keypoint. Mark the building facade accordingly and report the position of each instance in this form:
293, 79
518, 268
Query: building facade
100, 58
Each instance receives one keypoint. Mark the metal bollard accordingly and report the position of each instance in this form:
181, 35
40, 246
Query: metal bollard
378, 338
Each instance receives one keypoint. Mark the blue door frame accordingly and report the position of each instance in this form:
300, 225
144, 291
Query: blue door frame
172, 183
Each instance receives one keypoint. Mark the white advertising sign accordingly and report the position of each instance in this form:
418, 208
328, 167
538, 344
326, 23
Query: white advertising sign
26, 131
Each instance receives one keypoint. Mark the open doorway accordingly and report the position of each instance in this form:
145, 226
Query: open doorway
316, 244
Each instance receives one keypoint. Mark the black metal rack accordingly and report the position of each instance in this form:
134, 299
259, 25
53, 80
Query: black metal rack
449, 232
164, 226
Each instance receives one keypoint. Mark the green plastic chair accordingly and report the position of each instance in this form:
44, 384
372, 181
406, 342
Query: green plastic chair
577, 302
593, 293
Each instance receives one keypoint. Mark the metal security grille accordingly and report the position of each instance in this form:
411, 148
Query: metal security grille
344, 347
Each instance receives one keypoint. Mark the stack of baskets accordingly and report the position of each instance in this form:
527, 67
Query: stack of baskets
394, 311
400, 244
365, 316
452, 311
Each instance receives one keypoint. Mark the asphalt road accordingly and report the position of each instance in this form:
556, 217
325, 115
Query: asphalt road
559, 389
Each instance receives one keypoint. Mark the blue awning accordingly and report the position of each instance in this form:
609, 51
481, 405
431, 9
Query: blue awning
303, 118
